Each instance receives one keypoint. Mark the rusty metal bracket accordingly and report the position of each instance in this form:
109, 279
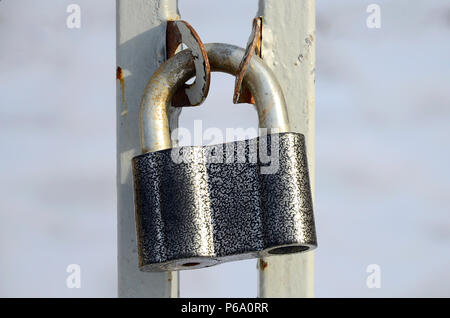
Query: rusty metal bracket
180, 32
242, 93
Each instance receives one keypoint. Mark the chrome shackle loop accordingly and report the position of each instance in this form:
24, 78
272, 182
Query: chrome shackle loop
156, 102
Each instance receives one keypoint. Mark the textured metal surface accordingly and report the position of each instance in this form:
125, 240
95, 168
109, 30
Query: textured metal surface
210, 210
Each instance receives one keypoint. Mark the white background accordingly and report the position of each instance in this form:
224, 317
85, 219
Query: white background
382, 147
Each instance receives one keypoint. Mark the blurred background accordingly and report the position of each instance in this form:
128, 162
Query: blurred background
382, 147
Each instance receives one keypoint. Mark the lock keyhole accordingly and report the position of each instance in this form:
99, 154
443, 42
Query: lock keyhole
190, 264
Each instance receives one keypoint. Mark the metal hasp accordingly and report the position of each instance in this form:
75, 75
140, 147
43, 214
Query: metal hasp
177, 33
200, 212
241, 91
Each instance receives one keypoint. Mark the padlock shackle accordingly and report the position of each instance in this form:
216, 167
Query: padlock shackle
156, 101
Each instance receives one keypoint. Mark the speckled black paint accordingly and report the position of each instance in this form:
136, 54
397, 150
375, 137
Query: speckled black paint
203, 213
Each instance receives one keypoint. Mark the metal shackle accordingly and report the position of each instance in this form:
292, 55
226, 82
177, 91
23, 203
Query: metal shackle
156, 101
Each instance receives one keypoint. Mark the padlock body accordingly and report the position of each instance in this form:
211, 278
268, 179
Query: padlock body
201, 206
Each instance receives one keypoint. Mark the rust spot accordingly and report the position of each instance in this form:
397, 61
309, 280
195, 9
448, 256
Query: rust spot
262, 264
170, 277
119, 73
119, 76
265, 113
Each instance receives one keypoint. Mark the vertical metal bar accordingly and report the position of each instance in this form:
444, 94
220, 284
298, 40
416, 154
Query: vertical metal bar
141, 42
288, 47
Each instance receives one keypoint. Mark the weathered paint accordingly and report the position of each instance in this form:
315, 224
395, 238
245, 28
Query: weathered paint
121, 79
181, 32
288, 47
241, 91
141, 38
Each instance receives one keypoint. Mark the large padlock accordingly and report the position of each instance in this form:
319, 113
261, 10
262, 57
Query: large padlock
201, 212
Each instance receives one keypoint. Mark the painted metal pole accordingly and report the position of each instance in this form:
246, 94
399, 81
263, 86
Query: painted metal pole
288, 47
141, 49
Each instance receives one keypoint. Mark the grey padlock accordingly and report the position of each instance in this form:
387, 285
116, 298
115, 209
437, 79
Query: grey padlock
203, 212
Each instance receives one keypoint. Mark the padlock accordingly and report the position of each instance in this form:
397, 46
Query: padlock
201, 212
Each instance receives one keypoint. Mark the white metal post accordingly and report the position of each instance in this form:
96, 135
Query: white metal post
288, 47
141, 48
